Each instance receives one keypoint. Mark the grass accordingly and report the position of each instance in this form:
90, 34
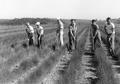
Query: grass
17, 58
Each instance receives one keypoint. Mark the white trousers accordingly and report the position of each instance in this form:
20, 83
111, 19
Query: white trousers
61, 38
112, 41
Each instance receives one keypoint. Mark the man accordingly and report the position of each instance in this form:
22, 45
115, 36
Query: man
110, 31
72, 35
95, 33
71, 38
40, 33
30, 33
74, 30
60, 32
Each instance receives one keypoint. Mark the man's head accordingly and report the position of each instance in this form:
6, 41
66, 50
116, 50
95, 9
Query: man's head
72, 20
59, 20
27, 24
108, 20
37, 24
94, 21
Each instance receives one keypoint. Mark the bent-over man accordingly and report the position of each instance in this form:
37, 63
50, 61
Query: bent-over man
30, 33
40, 33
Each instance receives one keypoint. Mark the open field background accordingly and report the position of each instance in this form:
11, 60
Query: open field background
23, 64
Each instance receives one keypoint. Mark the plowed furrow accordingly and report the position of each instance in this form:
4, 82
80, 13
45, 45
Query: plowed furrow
55, 76
32, 69
87, 74
115, 64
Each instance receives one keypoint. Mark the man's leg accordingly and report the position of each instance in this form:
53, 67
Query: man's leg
73, 42
70, 44
95, 39
34, 40
31, 39
99, 38
41, 41
61, 40
38, 41
76, 42
108, 41
113, 42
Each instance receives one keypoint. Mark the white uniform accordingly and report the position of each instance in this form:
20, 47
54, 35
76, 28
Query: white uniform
61, 25
110, 29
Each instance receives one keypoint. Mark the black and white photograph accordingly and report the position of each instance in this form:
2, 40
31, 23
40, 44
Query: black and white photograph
59, 42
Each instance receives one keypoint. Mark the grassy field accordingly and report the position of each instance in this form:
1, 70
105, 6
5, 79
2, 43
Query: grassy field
23, 64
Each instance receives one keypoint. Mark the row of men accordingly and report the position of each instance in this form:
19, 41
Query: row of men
109, 29
72, 34
39, 33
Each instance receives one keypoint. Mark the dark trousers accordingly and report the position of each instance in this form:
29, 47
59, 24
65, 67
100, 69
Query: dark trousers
40, 41
95, 40
30, 37
72, 43
75, 42
108, 41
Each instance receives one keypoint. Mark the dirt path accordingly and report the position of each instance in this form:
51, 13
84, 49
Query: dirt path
24, 70
56, 74
108, 68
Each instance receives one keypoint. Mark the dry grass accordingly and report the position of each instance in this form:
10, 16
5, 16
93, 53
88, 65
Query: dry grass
16, 58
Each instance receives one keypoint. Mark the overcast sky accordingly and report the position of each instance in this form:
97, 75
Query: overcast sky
81, 9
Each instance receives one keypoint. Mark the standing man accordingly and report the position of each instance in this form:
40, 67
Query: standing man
95, 33
110, 31
72, 35
60, 32
30, 33
74, 30
40, 34
71, 38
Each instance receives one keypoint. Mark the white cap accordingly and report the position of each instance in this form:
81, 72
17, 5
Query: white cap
58, 18
37, 23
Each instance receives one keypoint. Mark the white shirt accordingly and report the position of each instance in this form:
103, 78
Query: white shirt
31, 29
41, 30
110, 28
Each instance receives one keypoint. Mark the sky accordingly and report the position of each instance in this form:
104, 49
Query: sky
78, 9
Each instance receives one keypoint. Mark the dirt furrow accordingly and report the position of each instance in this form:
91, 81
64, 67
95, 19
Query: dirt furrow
25, 71
16, 66
55, 76
87, 73
41, 70
114, 63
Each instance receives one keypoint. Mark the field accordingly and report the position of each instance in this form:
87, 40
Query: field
23, 64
